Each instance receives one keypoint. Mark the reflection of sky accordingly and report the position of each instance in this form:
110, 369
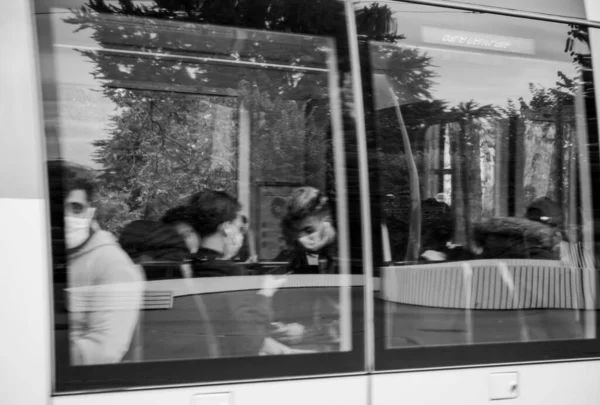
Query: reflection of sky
488, 76
485, 77
84, 112
490, 79
570, 8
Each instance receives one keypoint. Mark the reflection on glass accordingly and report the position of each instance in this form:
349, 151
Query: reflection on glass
210, 150
481, 129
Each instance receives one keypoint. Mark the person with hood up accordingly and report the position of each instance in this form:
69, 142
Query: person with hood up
102, 323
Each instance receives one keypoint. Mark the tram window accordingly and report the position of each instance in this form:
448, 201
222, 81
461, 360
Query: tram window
197, 193
484, 127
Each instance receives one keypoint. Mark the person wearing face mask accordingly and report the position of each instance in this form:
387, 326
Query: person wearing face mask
308, 227
102, 334
241, 318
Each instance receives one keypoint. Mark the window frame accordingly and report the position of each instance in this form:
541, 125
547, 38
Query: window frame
485, 354
68, 379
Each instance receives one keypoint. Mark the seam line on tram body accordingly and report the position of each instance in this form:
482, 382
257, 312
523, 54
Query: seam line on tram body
192, 58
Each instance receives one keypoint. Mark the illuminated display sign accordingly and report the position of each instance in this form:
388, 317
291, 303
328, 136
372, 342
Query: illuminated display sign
477, 40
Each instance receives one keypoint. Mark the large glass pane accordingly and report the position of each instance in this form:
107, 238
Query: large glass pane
482, 133
198, 185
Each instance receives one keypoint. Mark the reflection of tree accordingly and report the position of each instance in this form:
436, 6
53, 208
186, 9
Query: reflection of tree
163, 146
288, 143
397, 127
546, 136
537, 132
172, 131
465, 152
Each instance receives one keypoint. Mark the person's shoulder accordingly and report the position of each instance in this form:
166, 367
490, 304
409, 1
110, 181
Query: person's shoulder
207, 264
112, 259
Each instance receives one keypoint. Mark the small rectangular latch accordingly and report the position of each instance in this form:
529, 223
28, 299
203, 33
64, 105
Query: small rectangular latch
219, 398
504, 385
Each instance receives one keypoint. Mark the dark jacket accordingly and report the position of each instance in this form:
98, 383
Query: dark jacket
509, 237
297, 262
240, 318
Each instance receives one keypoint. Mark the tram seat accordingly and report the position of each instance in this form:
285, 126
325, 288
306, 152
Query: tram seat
491, 284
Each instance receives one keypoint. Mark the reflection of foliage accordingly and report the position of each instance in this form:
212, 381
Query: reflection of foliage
466, 152
113, 212
396, 200
548, 140
277, 136
377, 23
288, 138
164, 146
550, 101
409, 69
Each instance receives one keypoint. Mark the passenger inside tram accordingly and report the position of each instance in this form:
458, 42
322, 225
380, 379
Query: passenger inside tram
104, 286
308, 226
216, 218
221, 324
147, 241
537, 236
437, 230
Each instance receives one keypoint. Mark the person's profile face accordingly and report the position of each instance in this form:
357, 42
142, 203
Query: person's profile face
190, 236
77, 204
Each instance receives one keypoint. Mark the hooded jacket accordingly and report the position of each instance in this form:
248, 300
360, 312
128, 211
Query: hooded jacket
105, 293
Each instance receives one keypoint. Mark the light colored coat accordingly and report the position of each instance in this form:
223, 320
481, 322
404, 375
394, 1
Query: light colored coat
104, 298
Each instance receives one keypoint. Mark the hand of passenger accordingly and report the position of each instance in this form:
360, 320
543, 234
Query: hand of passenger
291, 333
272, 347
433, 256
252, 259
271, 284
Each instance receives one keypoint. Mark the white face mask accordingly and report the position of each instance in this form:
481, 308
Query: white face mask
319, 239
77, 230
234, 240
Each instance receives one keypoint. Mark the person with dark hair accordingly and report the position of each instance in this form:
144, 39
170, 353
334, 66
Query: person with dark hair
546, 211
437, 230
308, 226
216, 217
244, 316
179, 218
94, 259
163, 253
147, 241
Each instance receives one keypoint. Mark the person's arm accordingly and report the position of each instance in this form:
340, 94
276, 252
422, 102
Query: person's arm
114, 316
252, 314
